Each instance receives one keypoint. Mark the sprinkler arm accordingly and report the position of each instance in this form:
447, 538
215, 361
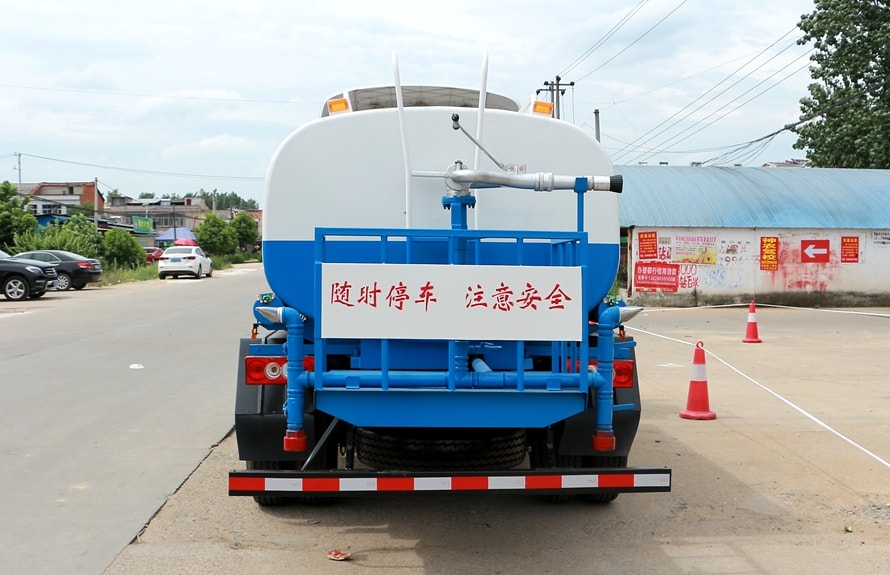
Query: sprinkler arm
539, 181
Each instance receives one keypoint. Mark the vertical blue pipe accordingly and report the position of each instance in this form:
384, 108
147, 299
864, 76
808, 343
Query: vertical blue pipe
294, 437
609, 319
458, 350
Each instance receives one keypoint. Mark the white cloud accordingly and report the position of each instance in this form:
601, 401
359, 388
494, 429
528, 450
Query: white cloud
198, 86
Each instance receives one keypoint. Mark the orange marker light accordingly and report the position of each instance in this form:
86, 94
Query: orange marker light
338, 105
545, 108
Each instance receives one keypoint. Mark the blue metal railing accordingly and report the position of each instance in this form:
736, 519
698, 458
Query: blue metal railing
468, 247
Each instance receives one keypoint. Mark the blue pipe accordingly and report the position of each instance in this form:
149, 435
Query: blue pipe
438, 380
295, 436
609, 318
458, 350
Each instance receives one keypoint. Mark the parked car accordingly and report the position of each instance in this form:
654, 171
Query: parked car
74, 270
184, 260
21, 278
153, 254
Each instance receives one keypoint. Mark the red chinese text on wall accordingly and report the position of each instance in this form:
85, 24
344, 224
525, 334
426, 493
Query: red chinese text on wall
656, 276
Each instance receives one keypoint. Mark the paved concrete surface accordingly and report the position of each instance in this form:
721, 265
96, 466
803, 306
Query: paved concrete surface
791, 477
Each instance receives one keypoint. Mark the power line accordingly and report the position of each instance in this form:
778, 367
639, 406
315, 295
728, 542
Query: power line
637, 39
646, 137
605, 37
164, 96
676, 138
843, 101
660, 152
151, 172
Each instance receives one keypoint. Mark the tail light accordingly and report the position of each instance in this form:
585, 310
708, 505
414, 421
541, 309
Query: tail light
623, 372
270, 370
84, 265
264, 370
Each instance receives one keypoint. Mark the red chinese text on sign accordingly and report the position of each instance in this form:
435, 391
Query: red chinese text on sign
769, 253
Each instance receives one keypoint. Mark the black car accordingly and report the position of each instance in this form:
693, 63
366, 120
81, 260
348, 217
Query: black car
21, 279
74, 270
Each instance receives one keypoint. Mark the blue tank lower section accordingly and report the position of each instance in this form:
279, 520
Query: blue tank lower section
437, 383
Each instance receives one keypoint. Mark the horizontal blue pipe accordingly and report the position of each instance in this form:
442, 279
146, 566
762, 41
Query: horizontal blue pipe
439, 380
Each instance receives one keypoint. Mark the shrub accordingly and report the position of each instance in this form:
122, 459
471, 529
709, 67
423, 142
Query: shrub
122, 251
77, 235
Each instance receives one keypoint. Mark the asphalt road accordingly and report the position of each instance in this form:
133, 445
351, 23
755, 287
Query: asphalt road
791, 477
111, 397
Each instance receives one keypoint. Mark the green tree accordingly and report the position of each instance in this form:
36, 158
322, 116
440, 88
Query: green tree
15, 218
225, 200
246, 231
147, 196
122, 251
846, 117
215, 236
77, 235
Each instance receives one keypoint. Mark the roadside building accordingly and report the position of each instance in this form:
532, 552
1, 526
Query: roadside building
711, 235
62, 198
159, 213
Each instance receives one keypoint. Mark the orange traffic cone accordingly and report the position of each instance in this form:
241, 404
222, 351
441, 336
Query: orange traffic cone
751, 333
697, 401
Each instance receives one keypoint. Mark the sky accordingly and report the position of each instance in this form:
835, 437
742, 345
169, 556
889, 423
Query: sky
178, 96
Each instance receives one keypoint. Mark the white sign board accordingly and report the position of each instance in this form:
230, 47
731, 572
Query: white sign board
407, 301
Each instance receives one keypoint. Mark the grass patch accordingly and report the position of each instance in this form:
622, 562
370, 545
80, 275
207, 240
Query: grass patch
119, 276
147, 272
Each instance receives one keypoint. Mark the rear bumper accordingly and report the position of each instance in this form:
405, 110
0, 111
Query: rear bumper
353, 483
178, 268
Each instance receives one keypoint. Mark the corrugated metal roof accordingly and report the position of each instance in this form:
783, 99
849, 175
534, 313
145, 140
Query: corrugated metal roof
746, 197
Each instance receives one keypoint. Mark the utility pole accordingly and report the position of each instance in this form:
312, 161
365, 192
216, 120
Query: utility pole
19, 156
96, 203
596, 123
557, 90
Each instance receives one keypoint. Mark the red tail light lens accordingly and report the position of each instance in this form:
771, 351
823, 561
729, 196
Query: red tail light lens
623, 372
265, 370
271, 370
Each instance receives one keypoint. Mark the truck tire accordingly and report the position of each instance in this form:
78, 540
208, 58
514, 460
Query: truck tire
271, 500
603, 461
538, 460
278, 500
441, 450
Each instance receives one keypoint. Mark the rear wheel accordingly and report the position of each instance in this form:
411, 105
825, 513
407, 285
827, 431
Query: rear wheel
271, 500
325, 459
435, 450
603, 461
539, 460
63, 282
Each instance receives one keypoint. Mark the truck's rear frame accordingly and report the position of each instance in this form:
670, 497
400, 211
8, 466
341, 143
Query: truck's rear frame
572, 394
